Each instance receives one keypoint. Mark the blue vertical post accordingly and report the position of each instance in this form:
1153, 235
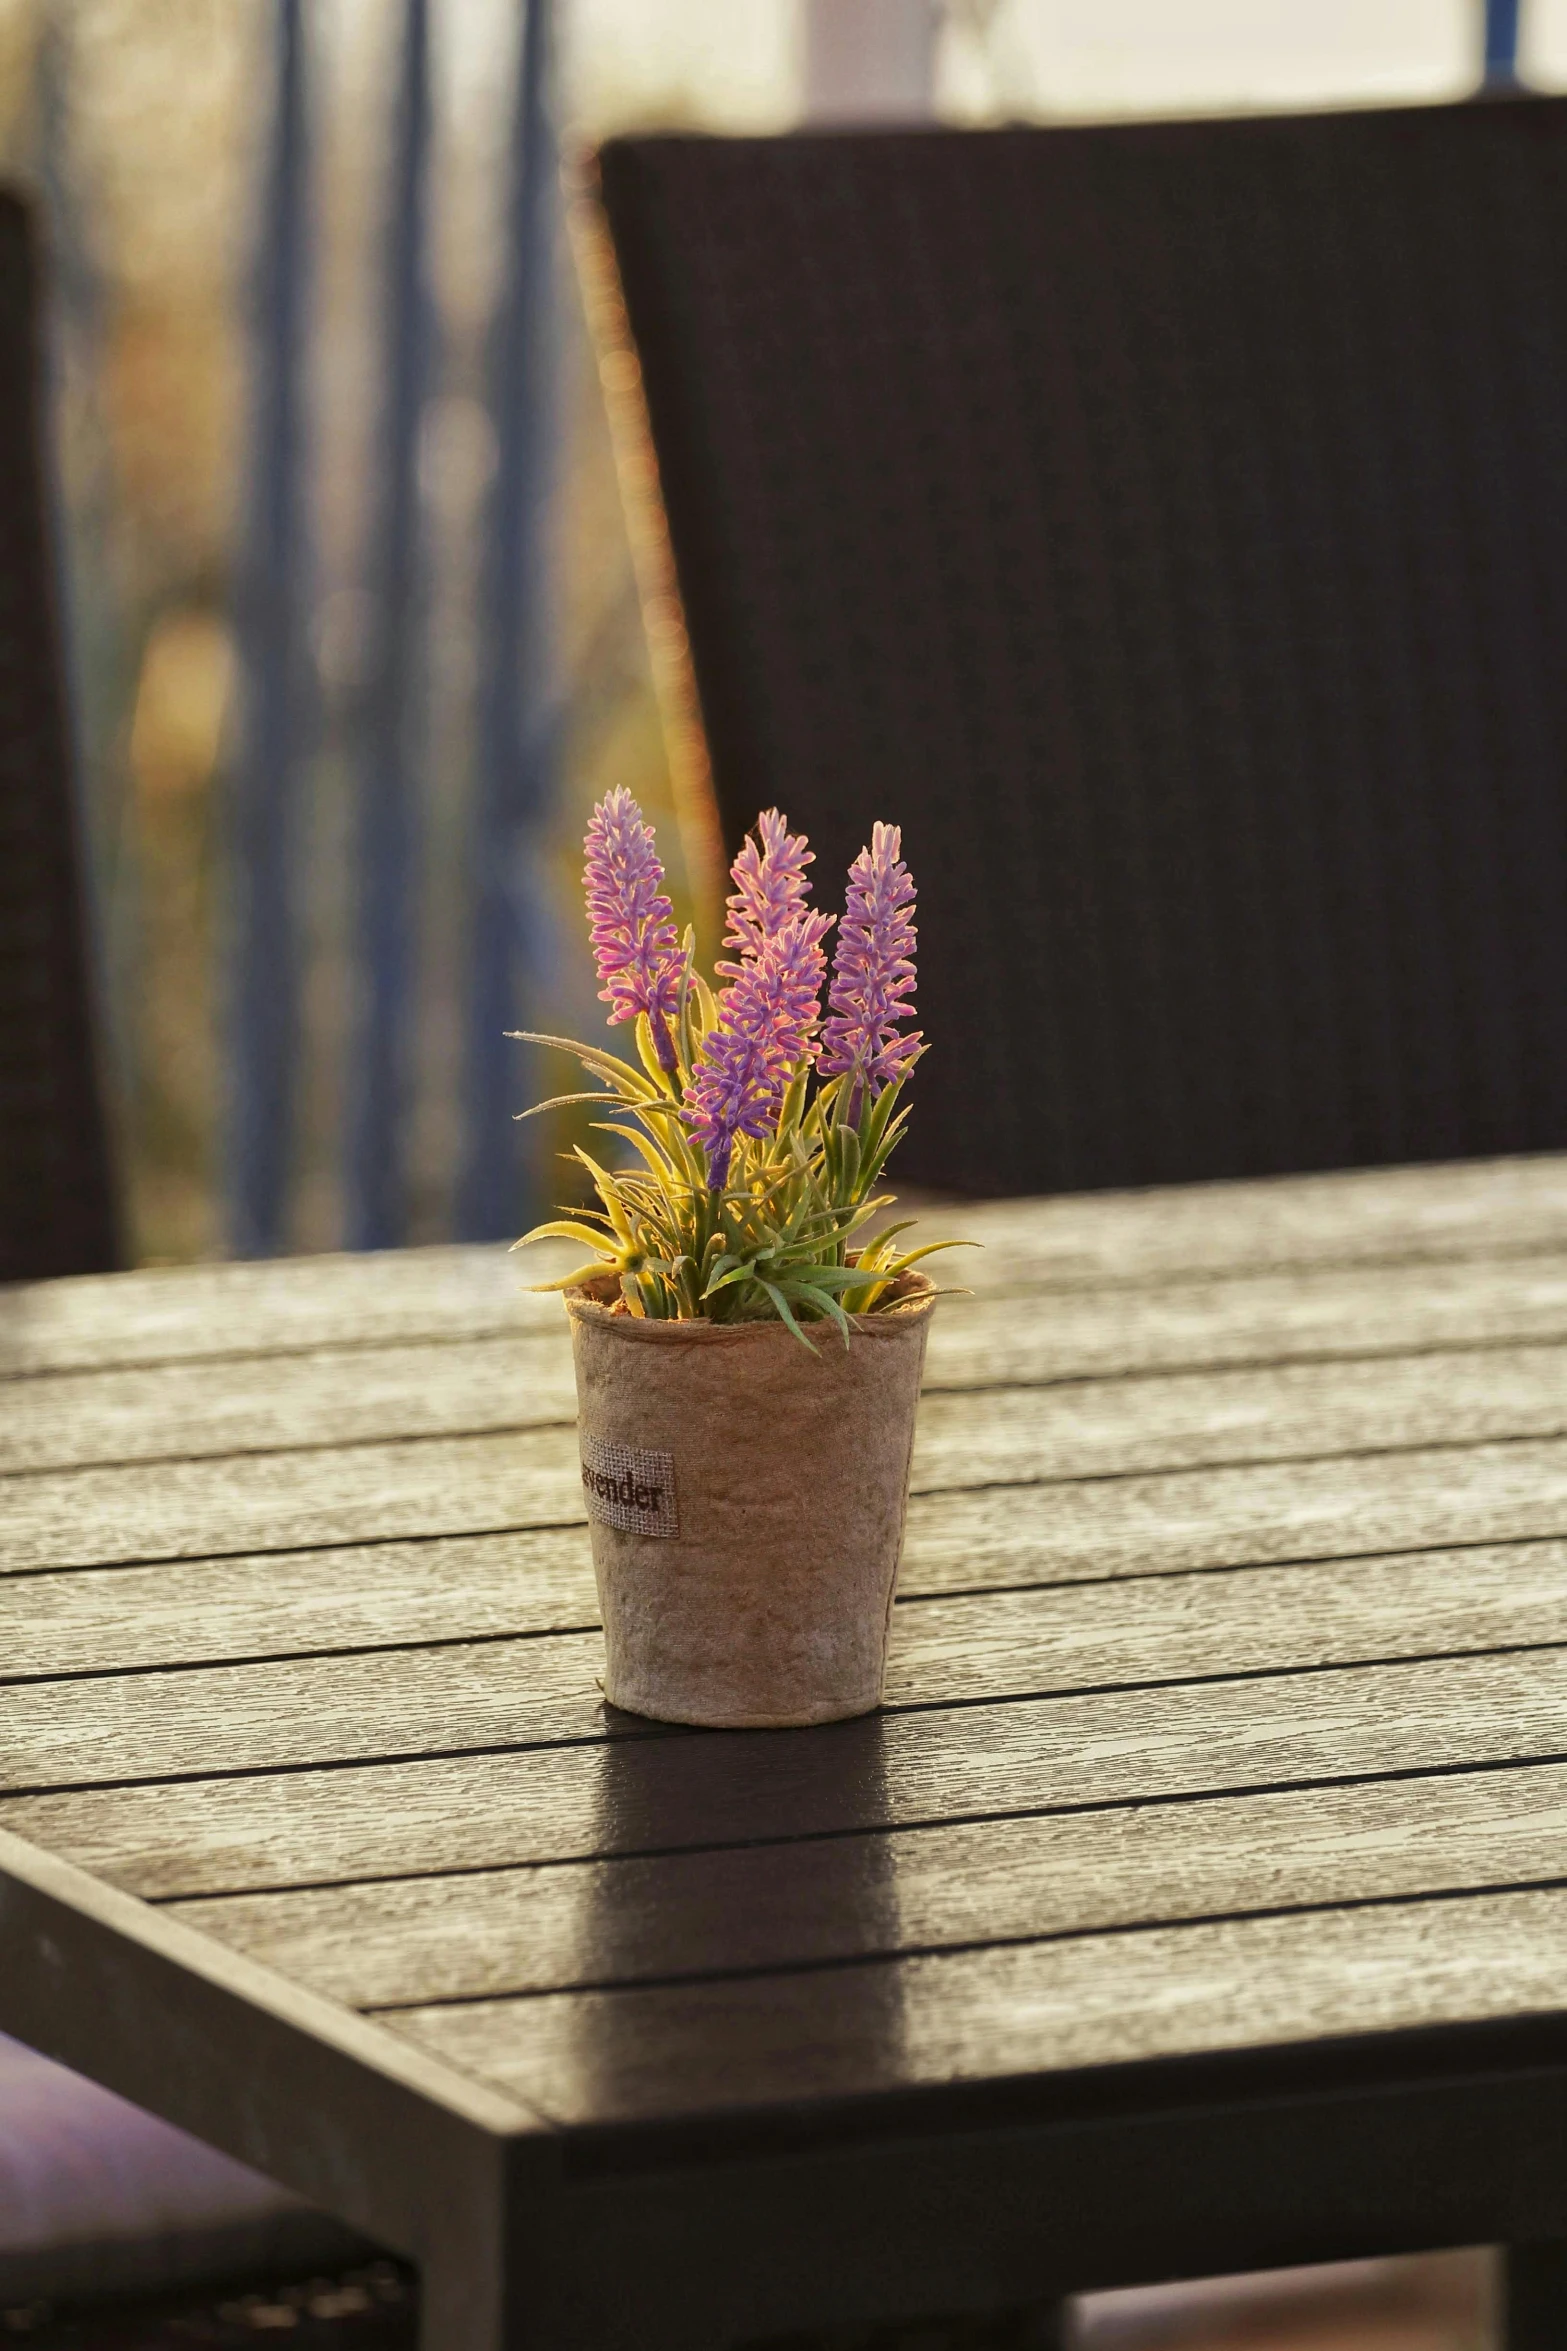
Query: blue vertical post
514, 727
1501, 44
263, 1017
388, 714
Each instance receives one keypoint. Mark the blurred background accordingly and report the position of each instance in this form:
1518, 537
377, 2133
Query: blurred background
354, 624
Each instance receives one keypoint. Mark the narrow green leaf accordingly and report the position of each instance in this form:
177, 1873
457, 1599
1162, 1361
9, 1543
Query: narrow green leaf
786, 1314
564, 1229
605, 1065
574, 1280
561, 1102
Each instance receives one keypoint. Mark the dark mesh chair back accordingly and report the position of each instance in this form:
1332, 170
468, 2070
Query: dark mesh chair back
1168, 524
57, 1211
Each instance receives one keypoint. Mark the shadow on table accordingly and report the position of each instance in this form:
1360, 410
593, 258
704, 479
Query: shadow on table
715, 1895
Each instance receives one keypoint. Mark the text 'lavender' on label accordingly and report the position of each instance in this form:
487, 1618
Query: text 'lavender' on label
629, 1489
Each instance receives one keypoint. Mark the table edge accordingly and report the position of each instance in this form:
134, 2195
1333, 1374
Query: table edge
216, 2043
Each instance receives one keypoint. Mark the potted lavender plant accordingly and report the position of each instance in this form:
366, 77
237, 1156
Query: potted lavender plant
748, 1360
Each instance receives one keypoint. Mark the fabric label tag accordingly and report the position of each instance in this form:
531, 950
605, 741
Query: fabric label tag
628, 1489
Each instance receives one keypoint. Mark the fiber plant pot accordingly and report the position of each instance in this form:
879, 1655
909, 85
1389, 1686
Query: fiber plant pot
746, 1498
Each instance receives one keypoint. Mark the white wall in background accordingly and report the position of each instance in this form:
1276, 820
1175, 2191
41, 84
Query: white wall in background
1544, 43
1027, 58
641, 64
759, 65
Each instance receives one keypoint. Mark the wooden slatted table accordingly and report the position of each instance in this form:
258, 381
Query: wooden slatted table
1198, 1902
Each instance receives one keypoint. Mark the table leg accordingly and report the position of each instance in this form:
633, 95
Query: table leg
459, 2310
1534, 2297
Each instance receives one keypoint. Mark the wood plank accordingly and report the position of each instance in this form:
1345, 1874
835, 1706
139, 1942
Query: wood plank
558, 1927
1102, 2000
206, 1312
1406, 1215
112, 1727
283, 1604
532, 1476
1025, 1335
1115, 1428
282, 1501
1258, 1620
1219, 1518
267, 1403
384, 1392
1476, 1209
668, 1793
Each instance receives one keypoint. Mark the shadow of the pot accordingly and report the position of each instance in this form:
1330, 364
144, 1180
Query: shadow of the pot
725, 1860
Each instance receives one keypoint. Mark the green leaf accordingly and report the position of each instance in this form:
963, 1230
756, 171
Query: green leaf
657, 1160
875, 1251
561, 1102
572, 1281
786, 1313
839, 1316
929, 1250
609, 1192
565, 1229
619, 1074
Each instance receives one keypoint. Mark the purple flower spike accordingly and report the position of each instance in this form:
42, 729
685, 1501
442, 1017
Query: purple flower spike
873, 972
767, 1018
770, 885
632, 922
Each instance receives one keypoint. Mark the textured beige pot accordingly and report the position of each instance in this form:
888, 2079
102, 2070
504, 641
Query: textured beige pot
746, 1500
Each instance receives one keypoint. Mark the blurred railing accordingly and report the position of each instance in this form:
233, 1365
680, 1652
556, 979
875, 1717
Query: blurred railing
513, 722
1501, 43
